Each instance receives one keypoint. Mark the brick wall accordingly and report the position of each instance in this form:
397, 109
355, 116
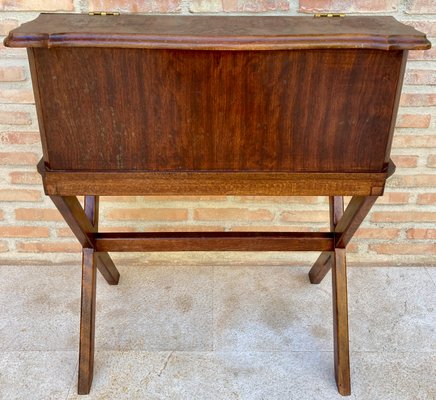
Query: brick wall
400, 229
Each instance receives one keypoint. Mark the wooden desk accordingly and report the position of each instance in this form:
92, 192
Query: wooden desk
215, 105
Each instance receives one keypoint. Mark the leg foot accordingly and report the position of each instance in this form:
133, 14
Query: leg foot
87, 321
320, 268
107, 268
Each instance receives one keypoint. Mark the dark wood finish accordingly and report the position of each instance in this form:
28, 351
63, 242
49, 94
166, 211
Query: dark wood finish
218, 241
104, 262
354, 215
68, 183
91, 206
76, 219
324, 261
216, 32
340, 322
220, 91
107, 268
87, 321
216, 105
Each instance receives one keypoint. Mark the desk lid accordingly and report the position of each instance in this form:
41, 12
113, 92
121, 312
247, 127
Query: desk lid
217, 32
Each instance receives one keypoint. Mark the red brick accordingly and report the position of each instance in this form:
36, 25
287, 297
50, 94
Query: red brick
420, 77
270, 228
238, 5
413, 121
118, 199
418, 99
305, 216
313, 6
426, 198
405, 161
149, 214
179, 228
2, 215
232, 214
431, 161
12, 74
393, 198
413, 180
429, 54
406, 142
377, 233
44, 247
255, 5
24, 96
3, 246
64, 232
422, 249
20, 195
25, 178
403, 216
23, 231
19, 137
37, 214
15, 118
36, 5
184, 198
421, 233
278, 199
7, 25
428, 27
162, 6
18, 158
421, 7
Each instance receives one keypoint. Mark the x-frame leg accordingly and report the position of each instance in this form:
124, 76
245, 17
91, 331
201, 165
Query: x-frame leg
84, 224
343, 225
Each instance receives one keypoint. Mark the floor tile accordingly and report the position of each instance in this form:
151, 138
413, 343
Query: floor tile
156, 308
391, 309
394, 376
36, 374
40, 307
213, 375
270, 309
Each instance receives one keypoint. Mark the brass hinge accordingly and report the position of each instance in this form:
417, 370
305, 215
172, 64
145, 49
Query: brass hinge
103, 13
329, 15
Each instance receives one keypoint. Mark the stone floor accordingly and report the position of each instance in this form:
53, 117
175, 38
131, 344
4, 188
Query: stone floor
198, 332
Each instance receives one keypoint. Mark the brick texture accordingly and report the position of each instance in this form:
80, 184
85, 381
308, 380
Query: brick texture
345, 6
11, 74
239, 5
421, 7
401, 224
164, 6
36, 5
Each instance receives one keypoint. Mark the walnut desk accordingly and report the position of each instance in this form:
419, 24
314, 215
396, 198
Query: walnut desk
215, 105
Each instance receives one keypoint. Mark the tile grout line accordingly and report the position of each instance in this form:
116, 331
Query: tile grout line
429, 275
76, 365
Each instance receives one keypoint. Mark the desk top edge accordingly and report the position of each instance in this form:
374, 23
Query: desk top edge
216, 32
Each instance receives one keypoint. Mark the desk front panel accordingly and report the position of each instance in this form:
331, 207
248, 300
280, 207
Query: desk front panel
326, 110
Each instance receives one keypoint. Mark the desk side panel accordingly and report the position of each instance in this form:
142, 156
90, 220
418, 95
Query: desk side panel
140, 109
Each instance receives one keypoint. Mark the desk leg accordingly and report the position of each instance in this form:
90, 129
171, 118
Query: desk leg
104, 262
87, 321
340, 322
324, 262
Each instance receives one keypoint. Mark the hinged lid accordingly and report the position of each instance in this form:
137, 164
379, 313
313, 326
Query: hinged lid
206, 32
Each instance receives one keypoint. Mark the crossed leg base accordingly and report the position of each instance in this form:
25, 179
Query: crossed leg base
344, 225
84, 224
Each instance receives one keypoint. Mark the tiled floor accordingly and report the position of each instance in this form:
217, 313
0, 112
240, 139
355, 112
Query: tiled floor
199, 332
